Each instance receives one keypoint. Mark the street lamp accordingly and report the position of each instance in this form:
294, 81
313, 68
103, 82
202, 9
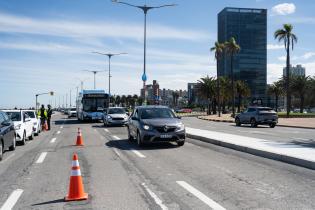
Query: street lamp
109, 55
39, 94
94, 72
81, 81
145, 10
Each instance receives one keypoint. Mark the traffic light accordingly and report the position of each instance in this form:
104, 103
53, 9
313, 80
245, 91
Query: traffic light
51, 93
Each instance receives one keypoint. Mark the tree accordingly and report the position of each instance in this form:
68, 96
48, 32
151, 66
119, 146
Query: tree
118, 100
218, 49
242, 90
123, 100
135, 98
300, 85
277, 90
225, 91
206, 89
232, 48
286, 35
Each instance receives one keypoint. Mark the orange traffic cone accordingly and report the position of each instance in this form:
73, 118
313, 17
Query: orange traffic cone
79, 138
76, 188
46, 126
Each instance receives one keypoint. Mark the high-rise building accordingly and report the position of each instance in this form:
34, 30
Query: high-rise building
152, 93
191, 93
299, 70
249, 28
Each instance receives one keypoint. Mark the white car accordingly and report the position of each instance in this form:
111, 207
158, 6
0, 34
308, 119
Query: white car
72, 112
23, 125
37, 128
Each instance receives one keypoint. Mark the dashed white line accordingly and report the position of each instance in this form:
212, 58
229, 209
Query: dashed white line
116, 137
58, 132
212, 204
53, 140
157, 200
106, 130
139, 154
41, 157
61, 127
117, 153
11, 201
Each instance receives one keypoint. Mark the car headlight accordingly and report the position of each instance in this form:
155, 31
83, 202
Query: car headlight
181, 127
17, 127
109, 117
146, 127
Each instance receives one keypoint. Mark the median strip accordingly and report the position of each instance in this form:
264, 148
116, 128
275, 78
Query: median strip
11, 201
208, 201
41, 157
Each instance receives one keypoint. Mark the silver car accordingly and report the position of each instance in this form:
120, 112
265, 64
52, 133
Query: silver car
149, 124
115, 116
257, 116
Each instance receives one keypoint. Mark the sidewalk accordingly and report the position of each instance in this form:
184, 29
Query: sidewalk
286, 122
286, 152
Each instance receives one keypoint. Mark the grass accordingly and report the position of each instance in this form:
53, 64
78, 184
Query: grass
296, 115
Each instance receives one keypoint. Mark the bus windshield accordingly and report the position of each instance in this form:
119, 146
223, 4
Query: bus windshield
93, 104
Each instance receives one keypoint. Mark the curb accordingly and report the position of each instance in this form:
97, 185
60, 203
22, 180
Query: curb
232, 121
257, 152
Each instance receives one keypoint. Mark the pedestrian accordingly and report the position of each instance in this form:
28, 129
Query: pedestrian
43, 115
49, 113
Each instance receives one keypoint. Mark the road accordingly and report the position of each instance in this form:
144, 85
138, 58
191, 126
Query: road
119, 175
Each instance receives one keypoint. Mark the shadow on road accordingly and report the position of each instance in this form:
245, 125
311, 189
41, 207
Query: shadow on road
49, 202
72, 122
125, 144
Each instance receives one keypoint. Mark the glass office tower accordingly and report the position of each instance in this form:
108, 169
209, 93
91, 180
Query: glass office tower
249, 28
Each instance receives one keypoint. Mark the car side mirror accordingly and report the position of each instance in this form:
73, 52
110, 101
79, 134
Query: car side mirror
27, 119
127, 113
5, 123
135, 118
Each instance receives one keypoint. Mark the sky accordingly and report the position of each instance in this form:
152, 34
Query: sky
46, 45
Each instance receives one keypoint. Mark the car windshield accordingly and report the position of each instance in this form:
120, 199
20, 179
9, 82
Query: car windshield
73, 109
152, 113
31, 114
14, 116
116, 111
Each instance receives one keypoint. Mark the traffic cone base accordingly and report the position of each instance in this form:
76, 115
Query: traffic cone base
76, 188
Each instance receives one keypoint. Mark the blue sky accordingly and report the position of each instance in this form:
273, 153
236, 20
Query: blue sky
45, 45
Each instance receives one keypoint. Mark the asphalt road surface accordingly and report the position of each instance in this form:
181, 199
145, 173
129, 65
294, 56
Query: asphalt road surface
119, 175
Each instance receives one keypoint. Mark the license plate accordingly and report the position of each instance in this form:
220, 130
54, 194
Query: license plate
165, 136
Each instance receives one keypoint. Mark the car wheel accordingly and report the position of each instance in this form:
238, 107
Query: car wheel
31, 137
130, 138
272, 125
237, 122
24, 138
181, 143
139, 141
253, 123
1, 151
12, 147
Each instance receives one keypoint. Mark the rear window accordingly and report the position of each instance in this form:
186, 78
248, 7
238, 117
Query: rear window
14, 116
31, 114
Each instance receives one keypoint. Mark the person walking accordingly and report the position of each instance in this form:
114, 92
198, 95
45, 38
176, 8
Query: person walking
49, 113
42, 115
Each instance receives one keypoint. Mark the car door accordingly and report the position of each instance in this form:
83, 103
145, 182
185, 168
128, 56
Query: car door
132, 123
28, 124
10, 132
3, 131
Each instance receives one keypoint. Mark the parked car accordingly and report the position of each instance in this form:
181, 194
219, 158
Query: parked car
115, 116
185, 110
257, 116
72, 112
37, 128
7, 134
149, 124
23, 125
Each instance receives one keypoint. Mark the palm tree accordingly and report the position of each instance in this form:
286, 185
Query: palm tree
242, 91
206, 89
123, 100
225, 91
218, 49
135, 98
276, 89
300, 85
286, 35
232, 48
118, 100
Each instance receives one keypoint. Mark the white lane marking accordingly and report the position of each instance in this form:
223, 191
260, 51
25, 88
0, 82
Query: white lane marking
116, 151
53, 140
106, 130
11, 201
8, 157
61, 127
139, 154
41, 157
212, 204
94, 129
157, 200
116, 137
58, 132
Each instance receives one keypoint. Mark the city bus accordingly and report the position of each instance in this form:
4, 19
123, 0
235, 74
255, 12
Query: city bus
91, 105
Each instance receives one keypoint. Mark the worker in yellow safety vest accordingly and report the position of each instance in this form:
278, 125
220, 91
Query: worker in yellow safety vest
42, 114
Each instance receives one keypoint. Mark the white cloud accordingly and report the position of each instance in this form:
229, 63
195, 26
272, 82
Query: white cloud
78, 29
282, 58
284, 9
308, 55
275, 46
305, 56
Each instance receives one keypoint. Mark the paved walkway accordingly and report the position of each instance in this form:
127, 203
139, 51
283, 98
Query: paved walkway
286, 152
288, 122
